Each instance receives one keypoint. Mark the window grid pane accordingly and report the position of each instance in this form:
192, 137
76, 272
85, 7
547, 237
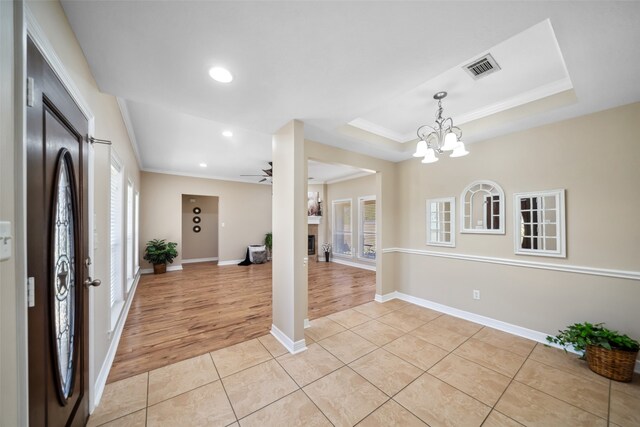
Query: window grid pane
342, 227
368, 229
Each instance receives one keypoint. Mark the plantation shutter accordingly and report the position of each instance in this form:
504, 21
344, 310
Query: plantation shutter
129, 235
136, 244
116, 235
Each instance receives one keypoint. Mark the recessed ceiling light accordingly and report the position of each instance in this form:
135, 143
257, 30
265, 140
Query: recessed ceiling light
203, 165
227, 133
220, 74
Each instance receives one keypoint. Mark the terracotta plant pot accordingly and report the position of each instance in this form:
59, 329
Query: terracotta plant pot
159, 268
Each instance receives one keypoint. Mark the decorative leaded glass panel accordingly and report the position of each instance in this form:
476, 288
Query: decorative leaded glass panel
64, 275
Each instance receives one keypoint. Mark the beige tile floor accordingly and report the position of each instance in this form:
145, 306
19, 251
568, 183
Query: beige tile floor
391, 364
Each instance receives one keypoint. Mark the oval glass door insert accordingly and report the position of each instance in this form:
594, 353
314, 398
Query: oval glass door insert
64, 275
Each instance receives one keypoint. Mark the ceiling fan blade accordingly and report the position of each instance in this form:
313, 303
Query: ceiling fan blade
267, 173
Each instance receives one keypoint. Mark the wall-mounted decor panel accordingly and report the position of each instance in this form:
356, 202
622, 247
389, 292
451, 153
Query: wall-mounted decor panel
539, 223
441, 222
482, 208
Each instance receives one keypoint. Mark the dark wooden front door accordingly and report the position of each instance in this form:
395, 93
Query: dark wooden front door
56, 250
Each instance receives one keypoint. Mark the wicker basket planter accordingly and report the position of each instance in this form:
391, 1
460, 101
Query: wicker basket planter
159, 268
614, 364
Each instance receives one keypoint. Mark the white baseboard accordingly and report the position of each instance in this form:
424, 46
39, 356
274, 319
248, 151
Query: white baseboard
307, 324
101, 379
292, 347
385, 297
194, 260
169, 268
520, 331
371, 267
231, 262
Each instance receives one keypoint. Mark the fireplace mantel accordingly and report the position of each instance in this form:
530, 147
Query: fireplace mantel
314, 219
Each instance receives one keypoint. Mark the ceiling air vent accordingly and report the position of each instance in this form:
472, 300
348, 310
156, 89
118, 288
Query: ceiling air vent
482, 67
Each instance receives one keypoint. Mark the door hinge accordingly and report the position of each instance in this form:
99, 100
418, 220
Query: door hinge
31, 292
31, 92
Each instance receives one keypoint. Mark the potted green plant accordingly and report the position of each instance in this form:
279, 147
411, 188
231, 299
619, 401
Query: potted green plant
326, 248
608, 353
268, 242
159, 253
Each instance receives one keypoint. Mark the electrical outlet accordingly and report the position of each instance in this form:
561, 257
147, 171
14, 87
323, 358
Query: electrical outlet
476, 294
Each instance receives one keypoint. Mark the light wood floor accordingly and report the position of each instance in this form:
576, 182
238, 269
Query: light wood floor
182, 314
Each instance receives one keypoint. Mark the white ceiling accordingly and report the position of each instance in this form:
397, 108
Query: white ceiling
532, 68
169, 141
321, 173
328, 63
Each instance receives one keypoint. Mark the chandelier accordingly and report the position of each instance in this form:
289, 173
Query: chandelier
444, 136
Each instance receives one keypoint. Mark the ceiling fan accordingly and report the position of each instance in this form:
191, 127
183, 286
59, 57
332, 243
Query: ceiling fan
267, 173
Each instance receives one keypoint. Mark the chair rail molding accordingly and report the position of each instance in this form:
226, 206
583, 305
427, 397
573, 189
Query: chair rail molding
578, 269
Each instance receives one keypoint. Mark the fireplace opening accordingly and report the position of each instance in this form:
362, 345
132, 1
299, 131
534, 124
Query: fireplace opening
311, 245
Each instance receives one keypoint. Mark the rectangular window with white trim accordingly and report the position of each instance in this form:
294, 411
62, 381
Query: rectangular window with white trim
116, 237
367, 228
130, 234
342, 234
136, 244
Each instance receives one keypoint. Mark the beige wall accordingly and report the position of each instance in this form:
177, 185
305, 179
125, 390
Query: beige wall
205, 243
592, 155
350, 189
244, 212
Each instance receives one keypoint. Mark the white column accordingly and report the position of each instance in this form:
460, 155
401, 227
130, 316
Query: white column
290, 259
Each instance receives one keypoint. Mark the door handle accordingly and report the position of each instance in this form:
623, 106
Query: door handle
89, 282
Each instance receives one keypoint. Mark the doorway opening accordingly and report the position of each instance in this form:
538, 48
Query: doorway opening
199, 228
341, 218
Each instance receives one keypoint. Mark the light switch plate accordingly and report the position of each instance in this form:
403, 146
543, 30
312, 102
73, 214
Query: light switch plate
5, 240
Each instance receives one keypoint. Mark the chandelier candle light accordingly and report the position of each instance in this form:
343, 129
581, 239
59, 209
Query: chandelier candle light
444, 136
